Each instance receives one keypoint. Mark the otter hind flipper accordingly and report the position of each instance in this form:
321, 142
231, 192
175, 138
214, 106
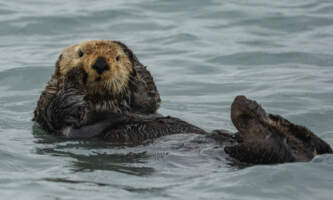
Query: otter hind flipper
262, 133
297, 134
269, 151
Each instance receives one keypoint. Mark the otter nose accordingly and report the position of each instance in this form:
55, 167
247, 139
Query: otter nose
100, 65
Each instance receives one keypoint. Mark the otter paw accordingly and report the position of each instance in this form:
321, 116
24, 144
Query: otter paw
73, 79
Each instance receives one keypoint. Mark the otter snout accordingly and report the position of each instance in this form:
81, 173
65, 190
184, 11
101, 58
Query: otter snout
101, 65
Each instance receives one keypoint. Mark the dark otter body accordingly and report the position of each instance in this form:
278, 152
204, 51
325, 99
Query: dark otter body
261, 137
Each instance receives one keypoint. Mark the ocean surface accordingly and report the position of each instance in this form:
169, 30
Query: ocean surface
202, 54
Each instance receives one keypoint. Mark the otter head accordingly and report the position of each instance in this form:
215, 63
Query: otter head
107, 66
113, 78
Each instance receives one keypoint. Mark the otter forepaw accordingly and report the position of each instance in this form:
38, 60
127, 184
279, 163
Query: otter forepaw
74, 79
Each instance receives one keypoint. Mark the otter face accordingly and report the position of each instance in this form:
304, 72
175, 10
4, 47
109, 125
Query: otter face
106, 65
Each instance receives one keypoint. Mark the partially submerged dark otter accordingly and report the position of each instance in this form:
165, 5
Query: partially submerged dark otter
71, 113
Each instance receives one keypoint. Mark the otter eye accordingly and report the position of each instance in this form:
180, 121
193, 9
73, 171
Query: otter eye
80, 53
117, 58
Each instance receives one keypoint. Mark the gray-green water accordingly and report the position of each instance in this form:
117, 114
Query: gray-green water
202, 54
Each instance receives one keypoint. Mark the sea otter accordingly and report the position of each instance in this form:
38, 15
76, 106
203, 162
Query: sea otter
75, 110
